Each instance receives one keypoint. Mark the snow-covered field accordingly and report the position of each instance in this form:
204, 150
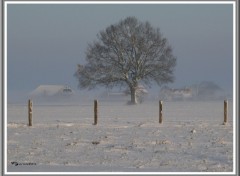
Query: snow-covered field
192, 138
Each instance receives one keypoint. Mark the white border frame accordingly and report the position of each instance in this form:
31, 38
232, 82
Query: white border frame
120, 2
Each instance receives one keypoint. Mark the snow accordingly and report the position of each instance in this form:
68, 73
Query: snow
192, 138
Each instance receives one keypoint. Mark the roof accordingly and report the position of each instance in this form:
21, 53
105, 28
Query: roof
50, 90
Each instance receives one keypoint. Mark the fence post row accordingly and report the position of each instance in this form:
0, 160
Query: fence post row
225, 111
95, 112
29, 112
160, 112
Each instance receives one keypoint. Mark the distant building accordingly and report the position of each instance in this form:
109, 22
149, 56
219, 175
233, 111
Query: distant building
51, 92
176, 94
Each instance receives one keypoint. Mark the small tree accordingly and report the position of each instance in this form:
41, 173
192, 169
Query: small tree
127, 54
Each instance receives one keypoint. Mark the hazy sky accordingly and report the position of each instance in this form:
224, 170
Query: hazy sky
47, 41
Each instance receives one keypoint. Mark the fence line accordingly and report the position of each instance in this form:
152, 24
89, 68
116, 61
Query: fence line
172, 110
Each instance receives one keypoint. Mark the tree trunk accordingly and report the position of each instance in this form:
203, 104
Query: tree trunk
133, 95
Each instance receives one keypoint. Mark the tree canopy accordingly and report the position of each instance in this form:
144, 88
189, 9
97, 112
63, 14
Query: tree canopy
126, 54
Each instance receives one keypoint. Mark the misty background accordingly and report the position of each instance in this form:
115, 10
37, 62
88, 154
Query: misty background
45, 42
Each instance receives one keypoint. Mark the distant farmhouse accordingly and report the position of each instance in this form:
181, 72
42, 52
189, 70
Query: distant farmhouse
205, 90
176, 94
51, 92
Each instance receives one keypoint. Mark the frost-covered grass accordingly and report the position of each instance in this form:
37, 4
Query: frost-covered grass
192, 138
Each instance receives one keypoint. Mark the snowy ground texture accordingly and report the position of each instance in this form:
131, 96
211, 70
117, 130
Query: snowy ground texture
192, 138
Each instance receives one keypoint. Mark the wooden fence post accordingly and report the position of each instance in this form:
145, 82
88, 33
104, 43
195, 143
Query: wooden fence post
29, 112
160, 112
225, 111
95, 112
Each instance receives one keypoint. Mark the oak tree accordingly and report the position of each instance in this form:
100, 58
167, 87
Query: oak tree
128, 53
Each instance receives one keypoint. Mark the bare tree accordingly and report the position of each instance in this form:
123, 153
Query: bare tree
126, 54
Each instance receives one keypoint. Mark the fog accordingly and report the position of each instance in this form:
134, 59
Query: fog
206, 91
45, 42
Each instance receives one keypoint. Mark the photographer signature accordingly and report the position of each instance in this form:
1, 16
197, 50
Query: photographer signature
22, 164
